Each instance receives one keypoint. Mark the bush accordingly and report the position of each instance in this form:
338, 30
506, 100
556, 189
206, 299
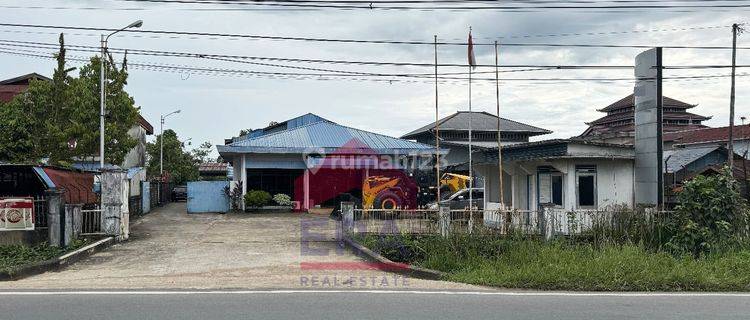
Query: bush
282, 199
712, 216
257, 198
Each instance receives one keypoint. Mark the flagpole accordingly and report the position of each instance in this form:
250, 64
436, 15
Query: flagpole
437, 128
471, 173
499, 141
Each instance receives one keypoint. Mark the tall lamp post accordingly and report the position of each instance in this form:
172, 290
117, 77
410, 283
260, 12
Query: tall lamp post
161, 142
103, 78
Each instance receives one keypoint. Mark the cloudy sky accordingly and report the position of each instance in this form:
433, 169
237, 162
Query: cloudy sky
216, 106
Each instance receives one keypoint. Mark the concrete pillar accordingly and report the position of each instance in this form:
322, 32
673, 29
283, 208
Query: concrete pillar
444, 215
243, 178
74, 221
55, 218
112, 181
347, 218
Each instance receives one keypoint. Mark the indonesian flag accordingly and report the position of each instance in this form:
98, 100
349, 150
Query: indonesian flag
472, 59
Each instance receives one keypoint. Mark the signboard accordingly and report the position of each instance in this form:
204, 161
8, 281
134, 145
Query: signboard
648, 128
16, 214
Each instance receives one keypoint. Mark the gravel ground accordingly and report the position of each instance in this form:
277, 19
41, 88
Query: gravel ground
170, 249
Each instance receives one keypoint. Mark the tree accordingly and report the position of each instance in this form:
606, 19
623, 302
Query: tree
179, 164
62, 116
202, 153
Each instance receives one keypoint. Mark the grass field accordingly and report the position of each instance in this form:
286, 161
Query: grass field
562, 266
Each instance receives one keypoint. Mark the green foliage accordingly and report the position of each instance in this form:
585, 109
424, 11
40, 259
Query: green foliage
712, 216
282, 199
532, 264
59, 119
179, 164
12, 256
202, 153
257, 198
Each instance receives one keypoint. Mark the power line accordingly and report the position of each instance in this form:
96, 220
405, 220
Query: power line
394, 42
331, 61
317, 76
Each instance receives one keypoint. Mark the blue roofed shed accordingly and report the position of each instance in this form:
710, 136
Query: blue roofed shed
282, 157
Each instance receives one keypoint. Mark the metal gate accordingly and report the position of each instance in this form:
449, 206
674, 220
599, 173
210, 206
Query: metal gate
207, 196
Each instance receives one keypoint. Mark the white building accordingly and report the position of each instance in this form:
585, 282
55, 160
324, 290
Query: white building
568, 174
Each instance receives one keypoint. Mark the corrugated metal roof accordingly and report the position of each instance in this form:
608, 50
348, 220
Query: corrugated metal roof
324, 135
679, 158
480, 121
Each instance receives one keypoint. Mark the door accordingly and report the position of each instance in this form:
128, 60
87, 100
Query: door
207, 196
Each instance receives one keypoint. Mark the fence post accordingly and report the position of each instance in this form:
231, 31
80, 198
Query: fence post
549, 222
55, 216
112, 180
73, 221
347, 218
444, 214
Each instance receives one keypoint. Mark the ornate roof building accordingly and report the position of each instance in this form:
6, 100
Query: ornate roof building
618, 126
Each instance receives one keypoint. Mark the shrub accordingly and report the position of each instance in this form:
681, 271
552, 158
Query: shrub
282, 199
712, 215
257, 198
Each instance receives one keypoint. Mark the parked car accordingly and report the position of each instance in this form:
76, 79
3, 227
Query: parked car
179, 193
460, 200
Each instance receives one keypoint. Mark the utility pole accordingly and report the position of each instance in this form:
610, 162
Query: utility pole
735, 31
161, 142
102, 92
437, 129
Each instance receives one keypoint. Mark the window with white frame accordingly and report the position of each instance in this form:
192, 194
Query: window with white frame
586, 187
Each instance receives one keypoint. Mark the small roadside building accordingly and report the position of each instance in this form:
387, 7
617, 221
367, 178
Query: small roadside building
315, 161
565, 173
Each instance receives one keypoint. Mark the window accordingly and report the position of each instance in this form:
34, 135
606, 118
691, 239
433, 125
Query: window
550, 186
586, 187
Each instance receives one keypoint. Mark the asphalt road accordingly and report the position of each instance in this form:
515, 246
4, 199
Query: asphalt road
297, 304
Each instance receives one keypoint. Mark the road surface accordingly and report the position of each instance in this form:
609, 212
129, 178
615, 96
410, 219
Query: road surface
367, 304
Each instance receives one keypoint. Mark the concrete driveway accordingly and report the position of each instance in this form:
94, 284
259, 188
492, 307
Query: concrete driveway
171, 249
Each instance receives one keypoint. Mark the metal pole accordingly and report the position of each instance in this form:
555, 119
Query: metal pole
102, 77
499, 144
437, 128
471, 173
161, 147
735, 28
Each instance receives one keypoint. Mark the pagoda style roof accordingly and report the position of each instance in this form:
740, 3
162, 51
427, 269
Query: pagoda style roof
629, 101
667, 116
480, 121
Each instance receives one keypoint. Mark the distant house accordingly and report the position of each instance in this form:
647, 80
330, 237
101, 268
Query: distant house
136, 157
569, 174
316, 161
454, 134
618, 126
213, 170
709, 137
9, 88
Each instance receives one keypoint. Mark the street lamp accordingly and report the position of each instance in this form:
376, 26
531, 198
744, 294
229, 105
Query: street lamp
103, 78
161, 138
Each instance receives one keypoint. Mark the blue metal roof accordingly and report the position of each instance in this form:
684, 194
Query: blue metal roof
302, 120
325, 135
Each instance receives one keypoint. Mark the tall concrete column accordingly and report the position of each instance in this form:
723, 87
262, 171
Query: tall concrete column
55, 218
112, 181
243, 178
74, 215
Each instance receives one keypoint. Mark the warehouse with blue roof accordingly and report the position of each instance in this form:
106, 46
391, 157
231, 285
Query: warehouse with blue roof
315, 160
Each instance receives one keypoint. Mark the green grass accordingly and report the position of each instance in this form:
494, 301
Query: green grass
13, 256
562, 266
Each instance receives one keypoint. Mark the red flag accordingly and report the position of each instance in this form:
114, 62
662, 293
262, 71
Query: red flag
472, 60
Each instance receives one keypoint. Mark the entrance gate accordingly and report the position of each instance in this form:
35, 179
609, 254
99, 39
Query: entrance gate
207, 196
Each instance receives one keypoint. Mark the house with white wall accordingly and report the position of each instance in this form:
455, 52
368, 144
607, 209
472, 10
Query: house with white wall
568, 174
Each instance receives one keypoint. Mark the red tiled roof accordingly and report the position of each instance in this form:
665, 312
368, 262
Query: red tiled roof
78, 187
629, 101
707, 135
